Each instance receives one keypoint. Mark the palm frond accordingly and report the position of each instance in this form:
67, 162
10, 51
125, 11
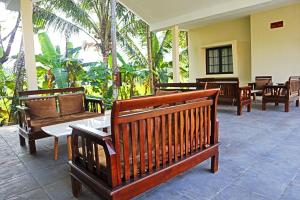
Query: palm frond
44, 18
131, 48
72, 10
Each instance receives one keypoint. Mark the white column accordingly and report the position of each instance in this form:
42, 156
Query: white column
28, 39
175, 54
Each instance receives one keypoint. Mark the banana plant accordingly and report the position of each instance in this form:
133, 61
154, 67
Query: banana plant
7, 86
57, 70
132, 74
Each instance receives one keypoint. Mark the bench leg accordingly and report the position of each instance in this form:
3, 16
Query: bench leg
55, 148
22, 140
297, 103
249, 108
32, 147
286, 107
69, 142
215, 163
276, 104
76, 187
239, 110
264, 106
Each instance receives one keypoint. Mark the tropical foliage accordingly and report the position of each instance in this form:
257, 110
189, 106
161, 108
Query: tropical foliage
62, 67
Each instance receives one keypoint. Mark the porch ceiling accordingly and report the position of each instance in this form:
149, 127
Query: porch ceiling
194, 13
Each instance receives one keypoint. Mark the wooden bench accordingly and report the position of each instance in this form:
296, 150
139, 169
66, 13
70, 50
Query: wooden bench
148, 145
182, 87
230, 92
39, 108
282, 93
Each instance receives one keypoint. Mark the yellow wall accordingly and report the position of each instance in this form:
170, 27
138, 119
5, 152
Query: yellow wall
236, 33
276, 52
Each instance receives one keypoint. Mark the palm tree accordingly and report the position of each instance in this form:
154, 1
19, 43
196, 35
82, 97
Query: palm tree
89, 16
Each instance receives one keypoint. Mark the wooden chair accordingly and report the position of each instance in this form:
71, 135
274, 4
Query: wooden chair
260, 83
282, 93
230, 92
39, 108
148, 145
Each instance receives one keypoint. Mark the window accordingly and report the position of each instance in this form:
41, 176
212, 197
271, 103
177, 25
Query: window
219, 60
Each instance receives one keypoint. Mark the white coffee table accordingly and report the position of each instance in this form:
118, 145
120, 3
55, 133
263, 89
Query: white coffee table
64, 129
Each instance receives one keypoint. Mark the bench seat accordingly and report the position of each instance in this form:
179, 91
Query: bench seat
37, 124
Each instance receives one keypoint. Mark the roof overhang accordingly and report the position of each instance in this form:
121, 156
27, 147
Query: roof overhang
188, 14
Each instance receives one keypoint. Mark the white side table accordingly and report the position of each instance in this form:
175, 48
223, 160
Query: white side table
64, 129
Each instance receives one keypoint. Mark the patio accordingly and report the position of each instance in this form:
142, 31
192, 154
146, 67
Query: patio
258, 160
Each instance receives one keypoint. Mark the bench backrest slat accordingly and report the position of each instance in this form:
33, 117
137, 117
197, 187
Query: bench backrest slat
50, 91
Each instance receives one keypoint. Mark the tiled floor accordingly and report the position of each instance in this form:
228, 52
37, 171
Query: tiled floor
259, 159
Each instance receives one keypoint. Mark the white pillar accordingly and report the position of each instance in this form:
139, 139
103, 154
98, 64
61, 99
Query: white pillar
28, 39
175, 54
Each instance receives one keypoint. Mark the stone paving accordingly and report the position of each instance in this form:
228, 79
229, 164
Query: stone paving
259, 159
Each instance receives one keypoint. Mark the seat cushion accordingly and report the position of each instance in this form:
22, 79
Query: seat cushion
71, 104
37, 124
42, 108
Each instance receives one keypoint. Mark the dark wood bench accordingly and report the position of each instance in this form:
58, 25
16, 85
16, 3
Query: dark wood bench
182, 87
282, 93
230, 92
148, 145
39, 108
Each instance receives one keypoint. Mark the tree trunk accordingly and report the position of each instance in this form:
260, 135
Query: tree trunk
67, 36
116, 74
105, 56
19, 70
150, 60
11, 41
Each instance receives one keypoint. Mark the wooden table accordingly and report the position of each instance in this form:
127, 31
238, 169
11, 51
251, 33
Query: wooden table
64, 129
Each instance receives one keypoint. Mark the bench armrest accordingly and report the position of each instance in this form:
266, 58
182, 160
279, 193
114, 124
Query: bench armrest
252, 85
276, 91
91, 131
23, 118
22, 108
94, 138
94, 105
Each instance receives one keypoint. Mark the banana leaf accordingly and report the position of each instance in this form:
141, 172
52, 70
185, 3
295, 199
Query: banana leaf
61, 77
